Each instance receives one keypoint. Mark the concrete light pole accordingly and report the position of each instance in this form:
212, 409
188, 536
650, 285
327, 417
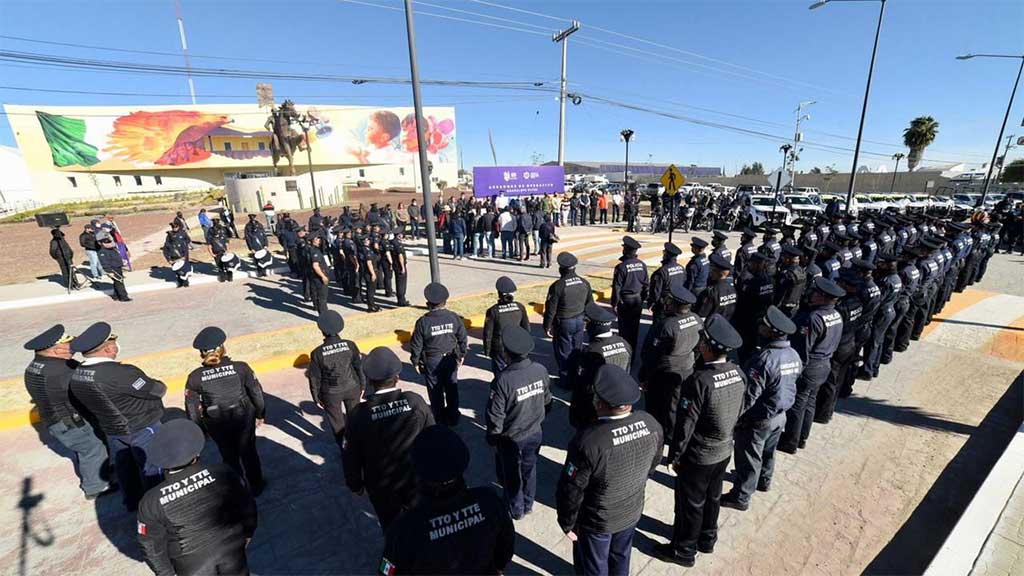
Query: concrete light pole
563, 37
626, 134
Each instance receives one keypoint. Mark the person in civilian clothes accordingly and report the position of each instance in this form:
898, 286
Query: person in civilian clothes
438, 348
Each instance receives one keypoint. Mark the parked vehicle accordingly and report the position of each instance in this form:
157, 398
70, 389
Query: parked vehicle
803, 206
764, 209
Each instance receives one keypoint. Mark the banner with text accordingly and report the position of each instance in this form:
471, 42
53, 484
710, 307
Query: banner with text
517, 180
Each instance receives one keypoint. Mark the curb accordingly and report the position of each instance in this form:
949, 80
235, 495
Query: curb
13, 419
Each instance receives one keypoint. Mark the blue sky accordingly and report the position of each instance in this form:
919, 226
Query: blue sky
744, 64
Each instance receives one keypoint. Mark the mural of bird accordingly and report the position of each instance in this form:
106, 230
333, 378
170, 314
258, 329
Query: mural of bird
167, 138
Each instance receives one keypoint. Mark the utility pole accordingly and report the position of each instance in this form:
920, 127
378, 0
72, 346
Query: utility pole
563, 37
184, 50
421, 140
1006, 152
798, 137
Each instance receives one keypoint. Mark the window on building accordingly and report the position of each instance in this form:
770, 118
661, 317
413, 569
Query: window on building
117, 180
401, 171
74, 183
227, 146
138, 180
159, 181
362, 173
261, 145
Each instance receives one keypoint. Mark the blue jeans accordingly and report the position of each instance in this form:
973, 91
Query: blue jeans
536, 240
90, 455
507, 244
415, 228
603, 554
95, 268
516, 468
459, 244
478, 243
135, 473
489, 236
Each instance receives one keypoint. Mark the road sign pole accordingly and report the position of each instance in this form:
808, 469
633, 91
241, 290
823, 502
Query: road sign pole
671, 215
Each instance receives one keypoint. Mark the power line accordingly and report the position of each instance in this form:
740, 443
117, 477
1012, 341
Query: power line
546, 29
530, 12
446, 17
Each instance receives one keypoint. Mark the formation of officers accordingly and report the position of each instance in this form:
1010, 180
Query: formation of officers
745, 353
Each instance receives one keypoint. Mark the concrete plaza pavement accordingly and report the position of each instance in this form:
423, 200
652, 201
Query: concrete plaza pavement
875, 490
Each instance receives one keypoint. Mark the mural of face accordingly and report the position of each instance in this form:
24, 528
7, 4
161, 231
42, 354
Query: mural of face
381, 128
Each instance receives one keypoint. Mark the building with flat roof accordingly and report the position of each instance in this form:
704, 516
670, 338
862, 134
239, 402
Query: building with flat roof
614, 171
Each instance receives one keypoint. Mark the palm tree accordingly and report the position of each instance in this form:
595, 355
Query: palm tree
917, 137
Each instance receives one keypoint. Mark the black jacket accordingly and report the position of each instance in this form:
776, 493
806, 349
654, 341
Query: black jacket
497, 319
210, 390
601, 488
87, 240
255, 236
120, 396
567, 298
603, 349
47, 379
710, 403
629, 278
669, 271
818, 331
771, 382
718, 298
335, 367
669, 346
438, 333
519, 399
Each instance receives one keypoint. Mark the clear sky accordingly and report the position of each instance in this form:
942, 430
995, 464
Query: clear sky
742, 64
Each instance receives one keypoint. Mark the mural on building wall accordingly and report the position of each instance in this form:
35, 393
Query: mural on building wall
220, 136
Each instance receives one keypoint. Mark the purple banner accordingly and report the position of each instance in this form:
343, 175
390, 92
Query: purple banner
517, 180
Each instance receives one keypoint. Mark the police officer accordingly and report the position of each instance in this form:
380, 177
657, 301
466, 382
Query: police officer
603, 347
756, 294
319, 281
387, 273
746, 250
718, 240
563, 314
176, 248
600, 493
453, 529
771, 390
226, 399
218, 243
377, 450
819, 329
790, 280
629, 290
335, 373
499, 318
369, 267
697, 267
891, 287
808, 236
255, 240
720, 295
113, 265
350, 276
669, 272
771, 248
127, 406
851, 308
519, 399
808, 262
667, 357
200, 518
710, 405
399, 267
46, 379
438, 347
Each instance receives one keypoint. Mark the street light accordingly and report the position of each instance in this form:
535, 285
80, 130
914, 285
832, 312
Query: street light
626, 134
867, 92
897, 157
999, 140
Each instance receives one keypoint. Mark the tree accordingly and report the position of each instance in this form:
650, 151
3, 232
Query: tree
815, 170
917, 137
1014, 171
756, 169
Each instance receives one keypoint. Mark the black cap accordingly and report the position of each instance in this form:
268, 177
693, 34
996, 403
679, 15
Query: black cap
517, 341
887, 257
330, 323
176, 444
828, 287
719, 235
439, 455
672, 249
209, 338
833, 246
615, 386
778, 321
679, 292
748, 232
850, 277
599, 314
381, 364
505, 285
51, 337
809, 252
861, 265
853, 235
566, 260
720, 333
698, 242
769, 230
760, 257
791, 250
252, 216
435, 293
630, 243
93, 337
719, 261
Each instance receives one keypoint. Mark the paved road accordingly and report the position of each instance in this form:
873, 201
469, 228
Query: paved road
896, 465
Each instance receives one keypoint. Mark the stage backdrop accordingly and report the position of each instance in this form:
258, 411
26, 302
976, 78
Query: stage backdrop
518, 180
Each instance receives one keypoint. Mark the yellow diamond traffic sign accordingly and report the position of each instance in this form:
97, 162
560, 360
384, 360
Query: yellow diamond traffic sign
672, 179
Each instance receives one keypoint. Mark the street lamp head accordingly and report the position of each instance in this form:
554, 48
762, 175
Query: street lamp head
965, 57
626, 134
817, 5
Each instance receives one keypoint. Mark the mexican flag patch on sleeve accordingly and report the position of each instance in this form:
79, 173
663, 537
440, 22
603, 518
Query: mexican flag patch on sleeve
387, 568
141, 529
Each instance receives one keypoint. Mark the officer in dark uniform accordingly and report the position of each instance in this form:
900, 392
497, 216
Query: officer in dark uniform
819, 329
720, 295
668, 357
808, 262
453, 529
127, 406
399, 267
113, 265
808, 236
771, 390
387, 272
697, 267
851, 308
335, 373
350, 266
629, 290
746, 250
563, 314
756, 294
369, 267
304, 262
790, 280
718, 241
909, 276
600, 493
255, 240
870, 296
701, 446
519, 399
319, 281
913, 275
377, 450
46, 379
499, 318
891, 287
176, 248
603, 347
771, 248
218, 243
438, 347
200, 518
669, 272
